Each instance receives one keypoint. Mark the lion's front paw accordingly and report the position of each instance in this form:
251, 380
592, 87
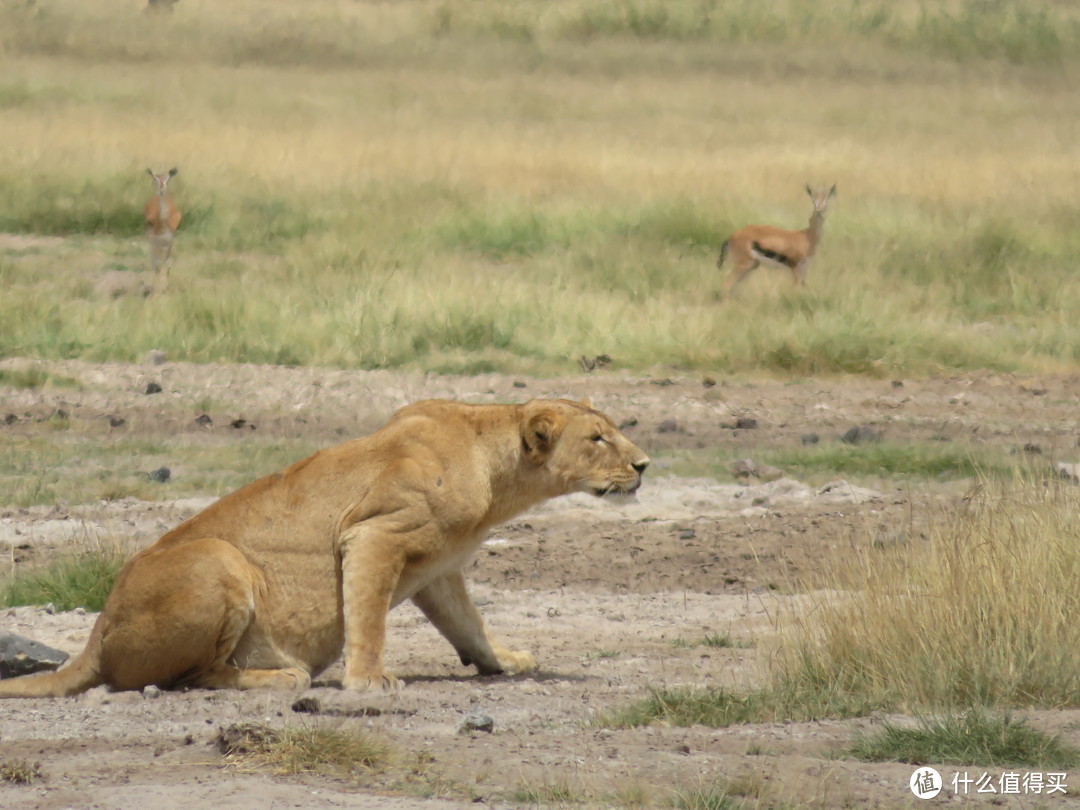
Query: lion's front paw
516, 663
371, 682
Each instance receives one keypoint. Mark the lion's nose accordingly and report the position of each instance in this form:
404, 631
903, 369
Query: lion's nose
640, 465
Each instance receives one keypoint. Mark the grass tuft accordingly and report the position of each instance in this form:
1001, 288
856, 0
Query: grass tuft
972, 738
308, 750
20, 772
83, 580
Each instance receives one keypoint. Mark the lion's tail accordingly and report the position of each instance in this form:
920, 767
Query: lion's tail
78, 676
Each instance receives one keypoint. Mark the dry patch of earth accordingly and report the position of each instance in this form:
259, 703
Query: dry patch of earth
613, 600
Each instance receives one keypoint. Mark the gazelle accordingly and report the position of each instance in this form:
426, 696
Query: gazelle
754, 244
162, 219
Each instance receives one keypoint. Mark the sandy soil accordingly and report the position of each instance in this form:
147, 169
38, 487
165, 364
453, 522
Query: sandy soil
609, 598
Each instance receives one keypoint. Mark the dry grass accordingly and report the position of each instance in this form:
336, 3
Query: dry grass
980, 614
302, 750
465, 186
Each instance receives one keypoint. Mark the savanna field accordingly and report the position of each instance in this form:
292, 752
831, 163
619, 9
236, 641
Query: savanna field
384, 201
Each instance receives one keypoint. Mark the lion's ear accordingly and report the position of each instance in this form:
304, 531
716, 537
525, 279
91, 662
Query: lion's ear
587, 402
538, 436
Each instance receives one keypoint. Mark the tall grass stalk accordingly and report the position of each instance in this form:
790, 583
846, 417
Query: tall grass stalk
983, 613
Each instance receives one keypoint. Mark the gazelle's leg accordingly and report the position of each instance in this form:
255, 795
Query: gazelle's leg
738, 273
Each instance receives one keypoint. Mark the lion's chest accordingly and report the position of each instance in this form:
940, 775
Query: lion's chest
423, 570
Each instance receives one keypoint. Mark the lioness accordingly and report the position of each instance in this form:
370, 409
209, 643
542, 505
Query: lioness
267, 585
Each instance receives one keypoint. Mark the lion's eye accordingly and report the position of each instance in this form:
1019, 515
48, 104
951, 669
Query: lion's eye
598, 438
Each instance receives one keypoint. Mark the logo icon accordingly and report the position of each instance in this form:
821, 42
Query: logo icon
925, 783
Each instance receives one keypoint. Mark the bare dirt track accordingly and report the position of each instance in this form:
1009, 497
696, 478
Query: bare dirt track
612, 600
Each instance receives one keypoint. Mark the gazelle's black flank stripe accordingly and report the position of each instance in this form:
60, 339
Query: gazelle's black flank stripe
774, 255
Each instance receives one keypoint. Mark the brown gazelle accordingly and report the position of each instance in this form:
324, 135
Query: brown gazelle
162, 219
754, 244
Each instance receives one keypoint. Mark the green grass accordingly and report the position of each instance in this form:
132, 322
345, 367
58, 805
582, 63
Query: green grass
51, 467
556, 792
82, 580
34, 377
471, 185
713, 640
971, 738
20, 771
889, 460
719, 707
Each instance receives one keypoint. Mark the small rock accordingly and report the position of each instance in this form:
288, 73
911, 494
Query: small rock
241, 423
1033, 449
629, 423
810, 438
861, 434
22, 656
117, 421
708, 382
155, 357
161, 475
204, 420
476, 721
668, 426
520, 384
307, 705
152, 692
663, 381
243, 738
593, 363
744, 468
11, 419
1070, 472
897, 383
687, 534
746, 423
153, 388
767, 473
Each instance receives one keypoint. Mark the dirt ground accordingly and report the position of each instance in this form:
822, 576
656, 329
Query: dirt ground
612, 600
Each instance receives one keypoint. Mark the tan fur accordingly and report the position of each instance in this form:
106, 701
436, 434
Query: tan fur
161, 218
267, 586
794, 250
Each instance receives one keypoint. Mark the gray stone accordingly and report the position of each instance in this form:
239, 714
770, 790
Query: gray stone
155, 357
22, 656
1070, 472
861, 435
161, 475
476, 721
744, 468
767, 473
668, 426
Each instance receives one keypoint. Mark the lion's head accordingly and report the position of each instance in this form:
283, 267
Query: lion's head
581, 448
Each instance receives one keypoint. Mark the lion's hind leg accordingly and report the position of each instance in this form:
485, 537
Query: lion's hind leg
177, 615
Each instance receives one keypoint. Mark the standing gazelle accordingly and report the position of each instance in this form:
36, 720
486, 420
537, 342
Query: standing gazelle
162, 219
754, 244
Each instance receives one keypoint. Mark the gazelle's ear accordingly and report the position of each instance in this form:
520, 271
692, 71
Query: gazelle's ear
173, 171
832, 191
587, 402
809, 191
150, 172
